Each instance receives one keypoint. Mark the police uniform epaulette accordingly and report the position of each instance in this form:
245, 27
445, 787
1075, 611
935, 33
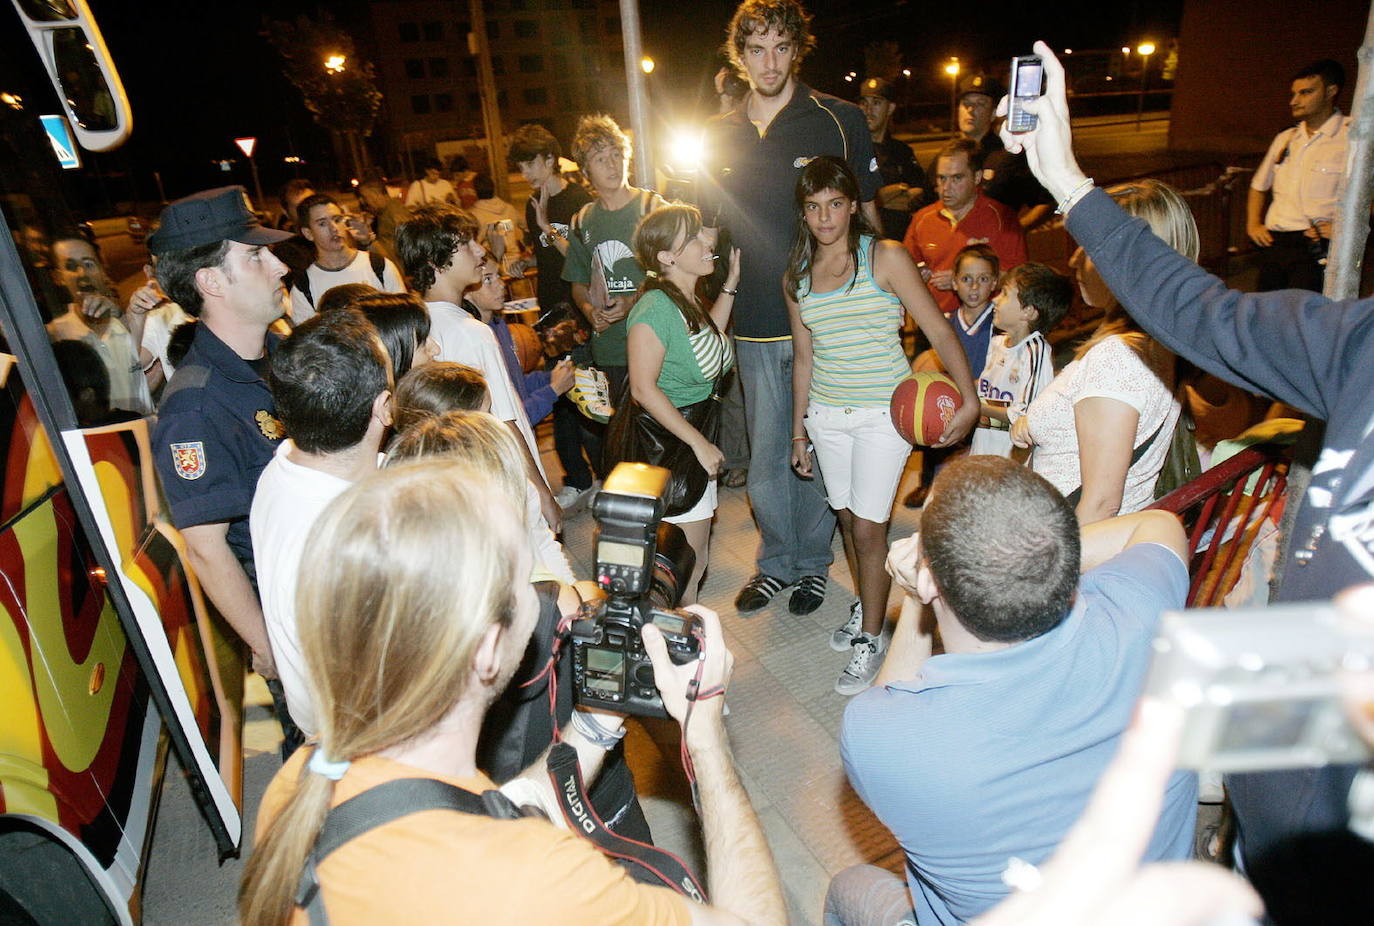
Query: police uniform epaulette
196, 377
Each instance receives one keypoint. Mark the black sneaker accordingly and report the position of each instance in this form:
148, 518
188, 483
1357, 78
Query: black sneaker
758, 592
808, 595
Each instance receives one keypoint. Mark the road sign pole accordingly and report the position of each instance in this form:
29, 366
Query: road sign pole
257, 184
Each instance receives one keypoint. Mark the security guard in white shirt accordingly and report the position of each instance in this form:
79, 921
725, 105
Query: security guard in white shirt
1302, 170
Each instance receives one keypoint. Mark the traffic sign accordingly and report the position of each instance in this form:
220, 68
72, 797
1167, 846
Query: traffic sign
246, 145
63, 145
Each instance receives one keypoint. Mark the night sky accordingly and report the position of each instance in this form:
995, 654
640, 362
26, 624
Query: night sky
198, 75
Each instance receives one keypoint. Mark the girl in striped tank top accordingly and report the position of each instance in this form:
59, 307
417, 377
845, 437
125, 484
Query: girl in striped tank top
678, 348
846, 292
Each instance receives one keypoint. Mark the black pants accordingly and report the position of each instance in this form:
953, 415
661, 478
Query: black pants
1291, 263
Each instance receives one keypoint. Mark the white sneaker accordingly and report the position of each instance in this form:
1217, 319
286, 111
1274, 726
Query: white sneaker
591, 393
865, 659
571, 499
842, 638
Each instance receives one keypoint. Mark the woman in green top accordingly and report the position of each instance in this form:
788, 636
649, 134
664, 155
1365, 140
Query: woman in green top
678, 348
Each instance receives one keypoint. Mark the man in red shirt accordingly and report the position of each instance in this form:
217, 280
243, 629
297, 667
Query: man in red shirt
962, 216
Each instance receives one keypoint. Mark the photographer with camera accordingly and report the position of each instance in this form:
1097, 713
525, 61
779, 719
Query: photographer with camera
405, 668
1296, 347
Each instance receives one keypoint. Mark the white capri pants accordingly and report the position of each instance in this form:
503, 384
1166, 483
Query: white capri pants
861, 456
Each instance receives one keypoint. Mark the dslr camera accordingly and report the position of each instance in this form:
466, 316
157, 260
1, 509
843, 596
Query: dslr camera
1261, 687
642, 564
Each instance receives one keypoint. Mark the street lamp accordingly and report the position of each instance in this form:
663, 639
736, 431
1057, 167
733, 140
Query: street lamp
646, 64
952, 69
334, 64
1145, 50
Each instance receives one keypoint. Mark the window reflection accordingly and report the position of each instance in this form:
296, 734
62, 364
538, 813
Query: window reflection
84, 85
48, 11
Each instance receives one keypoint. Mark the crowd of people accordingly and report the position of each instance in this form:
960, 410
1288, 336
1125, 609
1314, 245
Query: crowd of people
345, 438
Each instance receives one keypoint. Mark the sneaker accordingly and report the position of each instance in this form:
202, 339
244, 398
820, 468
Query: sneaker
758, 592
591, 393
865, 659
843, 638
572, 499
809, 594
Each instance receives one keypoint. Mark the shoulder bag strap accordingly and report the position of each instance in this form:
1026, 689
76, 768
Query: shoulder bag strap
1077, 494
379, 806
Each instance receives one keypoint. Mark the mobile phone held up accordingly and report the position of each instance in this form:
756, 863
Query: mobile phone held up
1027, 77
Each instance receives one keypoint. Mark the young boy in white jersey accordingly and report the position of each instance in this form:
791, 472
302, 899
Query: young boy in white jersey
1034, 298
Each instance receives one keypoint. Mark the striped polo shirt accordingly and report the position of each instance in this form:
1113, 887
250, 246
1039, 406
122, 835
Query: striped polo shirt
856, 349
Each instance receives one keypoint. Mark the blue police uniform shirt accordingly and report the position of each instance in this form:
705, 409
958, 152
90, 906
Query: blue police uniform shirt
984, 756
216, 431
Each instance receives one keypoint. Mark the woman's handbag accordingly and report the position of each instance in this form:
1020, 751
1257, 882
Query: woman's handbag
634, 435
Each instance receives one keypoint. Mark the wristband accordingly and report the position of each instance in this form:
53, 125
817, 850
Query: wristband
590, 728
730, 292
1068, 202
799, 438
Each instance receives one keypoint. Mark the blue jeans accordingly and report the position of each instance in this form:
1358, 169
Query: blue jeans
865, 895
795, 521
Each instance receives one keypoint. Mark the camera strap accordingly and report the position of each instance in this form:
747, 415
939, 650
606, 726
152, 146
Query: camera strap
566, 776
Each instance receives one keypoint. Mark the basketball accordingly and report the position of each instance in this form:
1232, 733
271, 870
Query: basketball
528, 347
923, 405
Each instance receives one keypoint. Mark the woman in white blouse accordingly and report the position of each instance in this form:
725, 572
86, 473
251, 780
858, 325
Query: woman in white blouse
1102, 429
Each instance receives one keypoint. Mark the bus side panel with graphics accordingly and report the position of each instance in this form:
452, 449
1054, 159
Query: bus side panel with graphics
107, 655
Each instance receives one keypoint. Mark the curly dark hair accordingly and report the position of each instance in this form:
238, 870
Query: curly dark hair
426, 243
788, 17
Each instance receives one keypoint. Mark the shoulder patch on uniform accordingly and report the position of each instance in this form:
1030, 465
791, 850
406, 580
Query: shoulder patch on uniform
188, 459
270, 427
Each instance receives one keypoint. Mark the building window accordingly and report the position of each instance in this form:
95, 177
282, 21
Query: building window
415, 69
498, 65
443, 102
410, 32
438, 67
613, 25
560, 63
586, 26
493, 30
419, 104
567, 98
434, 32
474, 101
531, 64
536, 96
502, 99
469, 67
519, 5
526, 29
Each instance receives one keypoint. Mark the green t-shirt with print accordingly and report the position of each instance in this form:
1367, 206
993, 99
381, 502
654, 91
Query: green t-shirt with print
602, 238
691, 362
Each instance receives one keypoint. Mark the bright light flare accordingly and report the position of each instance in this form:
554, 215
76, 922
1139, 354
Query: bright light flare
334, 64
685, 150
952, 69
1145, 49
646, 64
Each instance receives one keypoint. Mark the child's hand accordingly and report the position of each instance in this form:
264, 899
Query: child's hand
1020, 433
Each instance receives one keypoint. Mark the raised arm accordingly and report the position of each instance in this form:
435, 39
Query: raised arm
1297, 347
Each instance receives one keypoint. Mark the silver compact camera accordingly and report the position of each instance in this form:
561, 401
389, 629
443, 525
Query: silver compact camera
1261, 687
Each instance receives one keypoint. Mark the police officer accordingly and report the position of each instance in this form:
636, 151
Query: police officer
904, 183
217, 426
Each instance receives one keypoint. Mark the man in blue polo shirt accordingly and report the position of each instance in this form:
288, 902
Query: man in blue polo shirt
991, 749
753, 154
217, 426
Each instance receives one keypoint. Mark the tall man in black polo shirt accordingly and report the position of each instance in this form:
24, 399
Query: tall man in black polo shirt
753, 155
217, 426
